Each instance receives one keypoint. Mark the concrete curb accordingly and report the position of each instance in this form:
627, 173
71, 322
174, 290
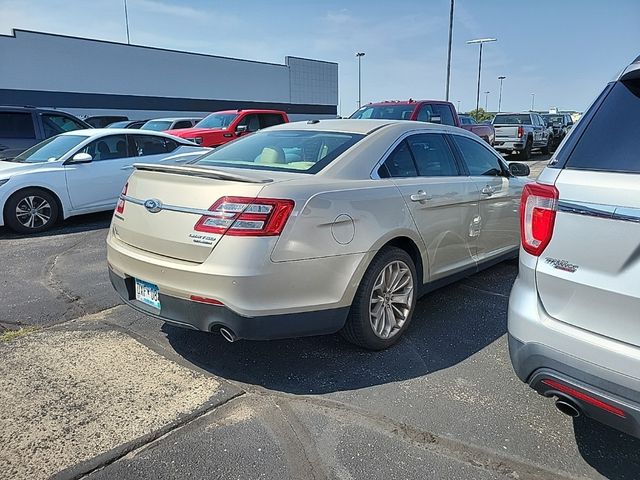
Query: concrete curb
104, 459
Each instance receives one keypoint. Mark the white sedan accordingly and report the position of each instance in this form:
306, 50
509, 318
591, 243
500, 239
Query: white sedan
79, 172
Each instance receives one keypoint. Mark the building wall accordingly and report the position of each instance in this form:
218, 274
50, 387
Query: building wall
97, 76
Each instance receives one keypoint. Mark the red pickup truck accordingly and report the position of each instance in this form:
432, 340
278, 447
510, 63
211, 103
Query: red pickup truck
221, 127
434, 111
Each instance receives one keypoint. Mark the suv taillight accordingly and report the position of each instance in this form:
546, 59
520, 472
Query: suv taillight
520, 131
538, 208
248, 217
120, 206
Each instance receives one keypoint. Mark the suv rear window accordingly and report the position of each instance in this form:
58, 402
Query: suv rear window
611, 140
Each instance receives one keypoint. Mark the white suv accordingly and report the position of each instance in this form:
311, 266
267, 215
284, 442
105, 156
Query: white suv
574, 312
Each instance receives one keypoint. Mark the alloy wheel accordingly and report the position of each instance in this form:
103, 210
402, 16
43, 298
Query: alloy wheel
33, 211
391, 299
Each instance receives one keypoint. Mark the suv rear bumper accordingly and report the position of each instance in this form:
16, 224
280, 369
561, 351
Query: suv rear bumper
534, 363
208, 318
507, 145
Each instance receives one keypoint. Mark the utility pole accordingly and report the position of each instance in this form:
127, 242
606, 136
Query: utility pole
126, 21
533, 100
501, 78
359, 55
449, 51
480, 41
486, 100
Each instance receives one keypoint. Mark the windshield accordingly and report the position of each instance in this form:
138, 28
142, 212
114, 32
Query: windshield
157, 125
512, 119
284, 150
217, 120
51, 149
551, 119
386, 112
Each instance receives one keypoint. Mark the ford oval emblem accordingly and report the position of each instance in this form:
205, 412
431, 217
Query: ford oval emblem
153, 205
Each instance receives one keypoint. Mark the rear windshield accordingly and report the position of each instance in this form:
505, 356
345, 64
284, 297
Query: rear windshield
512, 119
157, 125
385, 112
282, 150
611, 140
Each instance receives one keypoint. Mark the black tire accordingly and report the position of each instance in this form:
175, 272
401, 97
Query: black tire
526, 153
358, 329
546, 150
43, 202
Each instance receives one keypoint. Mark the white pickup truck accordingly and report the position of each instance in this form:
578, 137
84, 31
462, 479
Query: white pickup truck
521, 133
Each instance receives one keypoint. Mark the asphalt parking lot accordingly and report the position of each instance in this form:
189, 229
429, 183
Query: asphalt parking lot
443, 403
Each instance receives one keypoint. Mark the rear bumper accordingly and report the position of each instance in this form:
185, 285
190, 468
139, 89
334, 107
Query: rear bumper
205, 317
534, 363
506, 145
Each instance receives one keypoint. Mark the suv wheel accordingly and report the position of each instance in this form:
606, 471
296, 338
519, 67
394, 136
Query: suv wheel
31, 210
384, 303
526, 153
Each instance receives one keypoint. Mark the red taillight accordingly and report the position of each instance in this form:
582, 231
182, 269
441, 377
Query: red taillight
248, 217
520, 131
210, 301
572, 392
537, 216
120, 206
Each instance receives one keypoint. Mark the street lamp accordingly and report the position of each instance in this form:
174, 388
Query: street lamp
480, 41
486, 100
449, 51
533, 100
501, 78
359, 55
126, 21
458, 106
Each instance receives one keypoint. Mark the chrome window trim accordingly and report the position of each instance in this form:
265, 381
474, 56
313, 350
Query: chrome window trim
610, 212
174, 208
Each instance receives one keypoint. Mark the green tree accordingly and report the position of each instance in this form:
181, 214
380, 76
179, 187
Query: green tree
480, 115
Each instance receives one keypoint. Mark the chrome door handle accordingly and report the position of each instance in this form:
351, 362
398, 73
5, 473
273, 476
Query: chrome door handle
421, 196
487, 190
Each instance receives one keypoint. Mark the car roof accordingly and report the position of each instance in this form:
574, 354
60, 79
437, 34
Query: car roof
172, 119
99, 132
27, 108
403, 102
362, 126
249, 110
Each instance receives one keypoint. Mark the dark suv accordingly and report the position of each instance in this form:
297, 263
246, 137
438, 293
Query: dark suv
561, 124
23, 127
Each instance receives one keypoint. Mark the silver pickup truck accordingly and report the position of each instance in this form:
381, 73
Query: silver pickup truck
521, 133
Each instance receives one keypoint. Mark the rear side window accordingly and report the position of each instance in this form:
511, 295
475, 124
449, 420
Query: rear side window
399, 164
432, 155
611, 140
152, 145
16, 125
182, 124
270, 119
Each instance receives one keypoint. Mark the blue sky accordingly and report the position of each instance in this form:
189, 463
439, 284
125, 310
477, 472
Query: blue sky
563, 51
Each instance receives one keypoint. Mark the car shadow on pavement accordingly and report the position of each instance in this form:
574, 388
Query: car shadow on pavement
449, 325
611, 453
80, 223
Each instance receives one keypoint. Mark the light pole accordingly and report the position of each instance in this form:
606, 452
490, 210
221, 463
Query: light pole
480, 41
501, 78
458, 106
486, 100
533, 100
126, 21
359, 55
449, 50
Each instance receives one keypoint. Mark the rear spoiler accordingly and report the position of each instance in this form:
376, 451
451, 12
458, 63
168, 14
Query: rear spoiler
198, 172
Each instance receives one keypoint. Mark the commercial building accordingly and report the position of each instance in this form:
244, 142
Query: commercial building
95, 77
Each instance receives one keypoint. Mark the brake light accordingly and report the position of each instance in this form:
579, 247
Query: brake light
538, 208
120, 206
520, 131
572, 392
210, 301
251, 217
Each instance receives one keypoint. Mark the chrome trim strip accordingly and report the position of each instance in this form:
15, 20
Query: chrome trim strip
176, 208
611, 212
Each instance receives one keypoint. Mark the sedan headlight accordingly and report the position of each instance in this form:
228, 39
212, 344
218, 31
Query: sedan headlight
3, 181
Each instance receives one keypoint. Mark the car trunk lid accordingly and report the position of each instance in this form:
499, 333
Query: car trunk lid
588, 274
164, 203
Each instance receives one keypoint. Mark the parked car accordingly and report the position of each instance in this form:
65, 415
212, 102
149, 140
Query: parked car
127, 124
521, 133
79, 172
101, 121
23, 127
164, 124
574, 311
484, 130
433, 111
312, 228
560, 123
222, 127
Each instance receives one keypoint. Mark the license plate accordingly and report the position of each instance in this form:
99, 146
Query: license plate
148, 293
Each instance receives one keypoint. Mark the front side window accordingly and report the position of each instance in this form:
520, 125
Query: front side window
51, 149
217, 120
252, 122
480, 161
107, 148
16, 125
432, 155
610, 142
282, 150
55, 124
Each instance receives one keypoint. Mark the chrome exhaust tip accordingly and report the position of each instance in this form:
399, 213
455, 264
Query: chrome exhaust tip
228, 335
567, 407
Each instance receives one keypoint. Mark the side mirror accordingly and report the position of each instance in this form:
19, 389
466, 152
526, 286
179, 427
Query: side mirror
82, 158
519, 169
240, 129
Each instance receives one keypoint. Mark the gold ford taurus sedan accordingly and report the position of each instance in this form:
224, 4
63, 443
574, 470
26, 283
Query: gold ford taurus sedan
312, 228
